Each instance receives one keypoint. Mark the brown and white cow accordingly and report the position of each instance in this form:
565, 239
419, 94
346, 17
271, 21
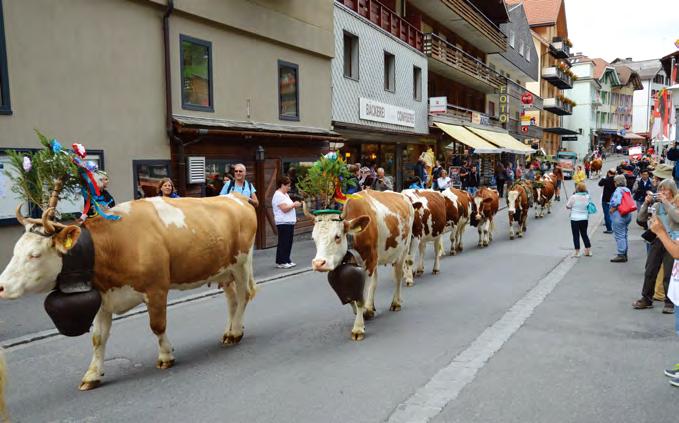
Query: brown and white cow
158, 244
517, 208
595, 168
485, 206
543, 191
381, 225
458, 212
429, 225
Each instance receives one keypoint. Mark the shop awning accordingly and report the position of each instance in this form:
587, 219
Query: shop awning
461, 134
503, 140
633, 136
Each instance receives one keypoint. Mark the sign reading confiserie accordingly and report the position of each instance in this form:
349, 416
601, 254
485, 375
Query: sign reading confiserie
386, 113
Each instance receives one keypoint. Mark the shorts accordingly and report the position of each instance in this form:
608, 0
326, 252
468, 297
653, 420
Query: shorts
558, 183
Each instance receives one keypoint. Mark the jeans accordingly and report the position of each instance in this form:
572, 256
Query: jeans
472, 191
607, 215
285, 233
620, 225
579, 229
657, 255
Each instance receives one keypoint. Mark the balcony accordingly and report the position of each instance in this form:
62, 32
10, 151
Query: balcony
559, 49
456, 64
557, 77
557, 106
386, 19
467, 21
528, 131
462, 116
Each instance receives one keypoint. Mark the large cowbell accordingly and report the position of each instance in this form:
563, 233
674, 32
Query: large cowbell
73, 304
348, 279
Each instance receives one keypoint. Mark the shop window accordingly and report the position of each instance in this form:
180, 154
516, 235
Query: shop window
215, 170
389, 72
288, 91
5, 106
417, 83
147, 176
196, 71
350, 56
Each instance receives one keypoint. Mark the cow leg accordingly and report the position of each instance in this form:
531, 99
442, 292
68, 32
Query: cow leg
480, 228
422, 250
358, 331
242, 292
157, 309
369, 304
408, 268
453, 240
101, 331
438, 252
549, 207
398, 276
232, 302
511, 226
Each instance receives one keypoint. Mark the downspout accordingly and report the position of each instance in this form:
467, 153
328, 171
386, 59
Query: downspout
169, 129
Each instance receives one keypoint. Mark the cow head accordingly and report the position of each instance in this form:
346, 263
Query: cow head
330, 236
512, 197
37, 259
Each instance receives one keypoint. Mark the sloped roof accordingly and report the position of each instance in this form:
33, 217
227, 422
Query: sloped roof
647, 69
599, 67
627, 75
540, 12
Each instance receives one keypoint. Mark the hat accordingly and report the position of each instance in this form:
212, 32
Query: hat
663, 171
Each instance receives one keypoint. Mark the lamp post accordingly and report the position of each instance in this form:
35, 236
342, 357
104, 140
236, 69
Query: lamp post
259, 153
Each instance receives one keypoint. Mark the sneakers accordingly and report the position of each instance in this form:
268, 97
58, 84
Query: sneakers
286, 265
668, 309
608, 232
672, 372
619, 259
642, 304
674, 382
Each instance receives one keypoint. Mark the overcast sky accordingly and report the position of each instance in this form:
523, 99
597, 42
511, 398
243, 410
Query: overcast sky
640, 29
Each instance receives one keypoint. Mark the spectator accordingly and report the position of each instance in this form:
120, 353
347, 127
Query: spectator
419, 170
641, 188
436, 173
609, 187
558, 174
500, 178
166, 188
673, 154
577, 204
241, 185
472, 181
382, 183
530, 174
366, 181
668, 214
443, 182
509, 172
285, 218
355, 171
620, 223
579, 176
588, 166
415, 183
519, 172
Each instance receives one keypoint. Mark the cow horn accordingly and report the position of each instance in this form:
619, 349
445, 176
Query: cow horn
20, 217
306, 210
46, 223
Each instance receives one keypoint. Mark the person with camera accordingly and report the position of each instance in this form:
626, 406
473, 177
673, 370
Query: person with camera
641, 187
382, 183
660, 205
285, 218
609, 187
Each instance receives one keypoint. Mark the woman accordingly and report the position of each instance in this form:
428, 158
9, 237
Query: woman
619, 223
443, 182
577, 204
285, 218
579, 176
166, 188
500, 178
588, 167
558, 174
415, 183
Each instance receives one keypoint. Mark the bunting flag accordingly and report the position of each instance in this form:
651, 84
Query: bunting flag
342, 198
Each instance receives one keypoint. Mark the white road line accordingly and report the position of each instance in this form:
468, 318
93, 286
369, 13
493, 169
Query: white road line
431, 398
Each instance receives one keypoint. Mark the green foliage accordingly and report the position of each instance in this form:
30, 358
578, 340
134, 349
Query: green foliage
47, 167
323, 178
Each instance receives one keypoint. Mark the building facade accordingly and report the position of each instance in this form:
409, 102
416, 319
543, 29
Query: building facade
586, 93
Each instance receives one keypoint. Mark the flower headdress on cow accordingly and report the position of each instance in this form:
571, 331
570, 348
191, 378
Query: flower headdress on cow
326, 182
45, 176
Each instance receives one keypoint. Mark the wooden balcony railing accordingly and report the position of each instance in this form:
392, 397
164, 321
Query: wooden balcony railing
557, 77
557, 106
478, 20
386, 19
464, 115
457, 58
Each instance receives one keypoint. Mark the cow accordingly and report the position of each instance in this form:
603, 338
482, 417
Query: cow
157, 245
517, 208
458, 211
429, 225
485, 206
595, 168
543, 191
380, 224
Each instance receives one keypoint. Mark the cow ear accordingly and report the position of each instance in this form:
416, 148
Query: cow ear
66, 238
356, 225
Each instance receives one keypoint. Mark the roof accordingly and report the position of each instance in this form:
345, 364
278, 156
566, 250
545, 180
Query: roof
627, 75
647, 69
600, 66
540, 12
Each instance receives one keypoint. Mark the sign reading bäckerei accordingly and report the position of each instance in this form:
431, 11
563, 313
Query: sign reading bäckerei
385, 113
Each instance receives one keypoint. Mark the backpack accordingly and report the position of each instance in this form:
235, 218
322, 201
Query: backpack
229, 187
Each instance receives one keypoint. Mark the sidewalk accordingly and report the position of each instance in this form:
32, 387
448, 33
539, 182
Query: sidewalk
264, 261
583, 345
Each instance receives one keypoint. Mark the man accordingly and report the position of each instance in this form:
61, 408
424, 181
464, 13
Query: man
472, 182
657, 254
641, 188
241, 186
382, 183
673, 154
609, 188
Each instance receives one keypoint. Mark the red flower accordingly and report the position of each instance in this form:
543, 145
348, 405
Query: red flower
79, 149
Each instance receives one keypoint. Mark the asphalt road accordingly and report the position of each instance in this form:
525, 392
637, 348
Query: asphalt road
582, 355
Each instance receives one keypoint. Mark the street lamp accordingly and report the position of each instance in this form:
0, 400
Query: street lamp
259, 153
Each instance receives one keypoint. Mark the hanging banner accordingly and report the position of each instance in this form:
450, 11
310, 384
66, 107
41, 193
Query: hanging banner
504, 104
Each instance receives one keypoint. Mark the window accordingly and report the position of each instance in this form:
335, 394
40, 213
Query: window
350, 56
417, 83
196, 69
491, 108
147, 175
389, 72
288, 91
521, 47
5, 106
511, 38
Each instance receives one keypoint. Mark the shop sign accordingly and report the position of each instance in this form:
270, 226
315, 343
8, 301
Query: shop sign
569, 138
504, 104
527, 98
438, 105
386, 113
480, 119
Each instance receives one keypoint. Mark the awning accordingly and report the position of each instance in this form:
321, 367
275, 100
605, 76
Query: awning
468, 138
632, 136
503, 140
561, 131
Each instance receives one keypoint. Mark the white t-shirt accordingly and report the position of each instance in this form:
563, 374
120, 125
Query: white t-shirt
673, 290
444, 182
280, 217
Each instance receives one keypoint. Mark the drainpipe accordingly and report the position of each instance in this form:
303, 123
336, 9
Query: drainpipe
169, 129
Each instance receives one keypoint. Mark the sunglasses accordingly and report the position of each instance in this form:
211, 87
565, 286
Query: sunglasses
238, 171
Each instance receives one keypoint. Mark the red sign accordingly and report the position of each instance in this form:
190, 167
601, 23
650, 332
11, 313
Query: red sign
524, 129
527, 98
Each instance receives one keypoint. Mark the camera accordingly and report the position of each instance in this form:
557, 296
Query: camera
649, 235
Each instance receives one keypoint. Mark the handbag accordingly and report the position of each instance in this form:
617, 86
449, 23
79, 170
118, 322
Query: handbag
591, 207
627, 204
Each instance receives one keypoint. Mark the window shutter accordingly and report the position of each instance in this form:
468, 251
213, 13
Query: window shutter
195, 168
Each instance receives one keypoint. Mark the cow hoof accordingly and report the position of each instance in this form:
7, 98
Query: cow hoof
229, 339
88, 386
511, 237
368, 314
435, 272
453, 252
357, 336
395, 307
520, 235
419, 273
410, 284
164, 364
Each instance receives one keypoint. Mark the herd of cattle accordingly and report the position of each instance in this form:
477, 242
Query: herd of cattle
161, 244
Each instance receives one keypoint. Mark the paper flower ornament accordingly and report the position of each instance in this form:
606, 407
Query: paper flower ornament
27, 164
79, 149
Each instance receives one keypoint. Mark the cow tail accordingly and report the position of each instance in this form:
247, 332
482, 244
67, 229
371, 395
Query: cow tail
4, 416
252, 286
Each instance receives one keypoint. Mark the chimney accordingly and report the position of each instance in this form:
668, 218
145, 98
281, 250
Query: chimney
629, 59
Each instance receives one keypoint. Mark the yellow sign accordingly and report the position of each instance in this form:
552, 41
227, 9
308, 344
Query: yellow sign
504, 104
